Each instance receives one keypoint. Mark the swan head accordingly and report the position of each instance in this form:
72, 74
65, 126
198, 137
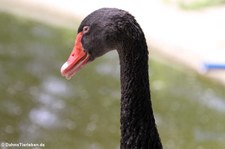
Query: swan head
100, 32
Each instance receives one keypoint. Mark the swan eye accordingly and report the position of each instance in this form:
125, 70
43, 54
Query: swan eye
86, 29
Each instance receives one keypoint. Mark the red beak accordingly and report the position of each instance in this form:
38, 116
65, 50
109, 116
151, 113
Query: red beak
77, 59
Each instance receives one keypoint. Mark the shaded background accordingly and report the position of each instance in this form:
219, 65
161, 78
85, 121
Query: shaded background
37, 105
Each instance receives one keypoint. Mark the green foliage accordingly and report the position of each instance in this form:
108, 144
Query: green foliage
196, 4
199, 4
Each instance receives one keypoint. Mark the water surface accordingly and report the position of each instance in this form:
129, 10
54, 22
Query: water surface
37, 105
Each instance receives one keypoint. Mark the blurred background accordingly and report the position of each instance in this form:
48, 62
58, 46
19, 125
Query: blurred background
187, 77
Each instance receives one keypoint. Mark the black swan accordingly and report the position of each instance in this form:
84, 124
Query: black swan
107, 29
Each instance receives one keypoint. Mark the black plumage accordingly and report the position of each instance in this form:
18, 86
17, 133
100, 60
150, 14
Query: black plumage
107, 29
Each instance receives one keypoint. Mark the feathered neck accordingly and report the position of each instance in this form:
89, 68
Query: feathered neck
138, 129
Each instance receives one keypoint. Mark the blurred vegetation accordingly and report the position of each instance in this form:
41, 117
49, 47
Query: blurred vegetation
196, 4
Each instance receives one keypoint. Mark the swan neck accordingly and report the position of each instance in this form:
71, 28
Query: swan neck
138, 129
